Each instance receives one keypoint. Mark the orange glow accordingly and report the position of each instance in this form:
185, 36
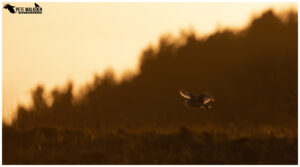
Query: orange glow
72, 41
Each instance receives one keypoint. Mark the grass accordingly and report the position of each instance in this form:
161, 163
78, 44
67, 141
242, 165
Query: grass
184, 146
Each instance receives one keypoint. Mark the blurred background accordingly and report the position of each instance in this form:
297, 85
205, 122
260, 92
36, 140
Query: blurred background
105, 78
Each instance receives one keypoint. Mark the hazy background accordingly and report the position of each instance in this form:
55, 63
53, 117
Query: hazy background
73, 41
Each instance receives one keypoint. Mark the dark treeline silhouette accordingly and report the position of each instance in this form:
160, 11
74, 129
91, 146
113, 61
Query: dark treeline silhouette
252, 74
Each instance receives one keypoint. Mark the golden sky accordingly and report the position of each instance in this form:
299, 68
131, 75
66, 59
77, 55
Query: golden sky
72, 41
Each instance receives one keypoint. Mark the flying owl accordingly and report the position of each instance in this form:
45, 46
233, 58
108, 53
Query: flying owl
203, 100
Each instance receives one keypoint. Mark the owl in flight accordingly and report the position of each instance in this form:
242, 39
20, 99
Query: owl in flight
203, 100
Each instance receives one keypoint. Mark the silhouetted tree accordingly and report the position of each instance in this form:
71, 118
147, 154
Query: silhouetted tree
39, 102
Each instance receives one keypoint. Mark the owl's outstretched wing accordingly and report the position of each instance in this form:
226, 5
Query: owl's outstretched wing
207, 100
185, 94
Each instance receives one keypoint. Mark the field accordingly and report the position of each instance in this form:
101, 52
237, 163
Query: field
57, 146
